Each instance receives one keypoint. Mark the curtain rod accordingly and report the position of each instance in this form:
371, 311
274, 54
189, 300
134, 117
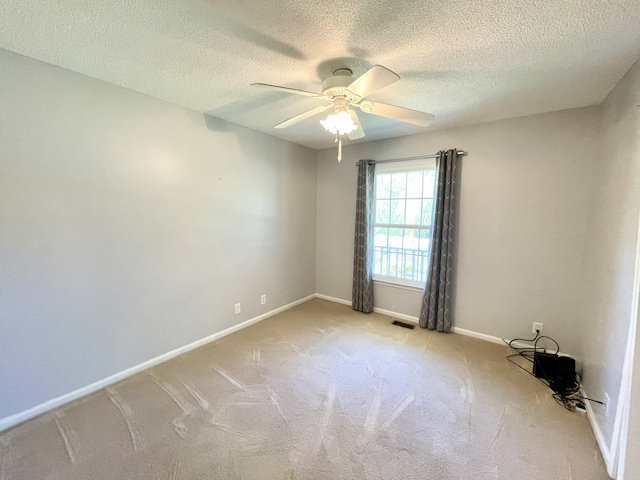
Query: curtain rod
404, 159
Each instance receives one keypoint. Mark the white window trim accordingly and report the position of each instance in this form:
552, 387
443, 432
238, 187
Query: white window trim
407, 166
413, 286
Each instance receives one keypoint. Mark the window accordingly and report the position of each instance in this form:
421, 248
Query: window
403, 219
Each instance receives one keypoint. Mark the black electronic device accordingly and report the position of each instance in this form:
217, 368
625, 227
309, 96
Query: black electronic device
559, 371
545, 365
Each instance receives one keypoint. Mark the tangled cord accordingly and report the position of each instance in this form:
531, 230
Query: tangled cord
569, 398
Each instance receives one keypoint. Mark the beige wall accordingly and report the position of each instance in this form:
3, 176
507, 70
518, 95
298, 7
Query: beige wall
129, 227
604, 306
523, 202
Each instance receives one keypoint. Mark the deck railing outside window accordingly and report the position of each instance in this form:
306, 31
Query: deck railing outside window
401, 263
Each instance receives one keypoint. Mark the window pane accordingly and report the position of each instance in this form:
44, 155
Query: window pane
384, 267
429, 183
398, 185
425, 240
423, 267
414, 212
397, 211
411, 239
380, 237
395, 238
427, 211
404, 199
412, 255
383, 185
395, 263
377, 261
382, 211
414, 185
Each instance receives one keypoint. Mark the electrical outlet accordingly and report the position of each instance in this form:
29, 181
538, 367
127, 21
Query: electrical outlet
263, 299
237, 308
537, 327
606, 404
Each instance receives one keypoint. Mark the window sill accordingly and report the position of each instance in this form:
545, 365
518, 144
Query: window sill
402, 285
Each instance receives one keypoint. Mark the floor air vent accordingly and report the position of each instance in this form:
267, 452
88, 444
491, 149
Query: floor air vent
402, 324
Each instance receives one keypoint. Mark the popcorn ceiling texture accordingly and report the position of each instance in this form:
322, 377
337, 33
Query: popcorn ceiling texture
317, 392
466, 61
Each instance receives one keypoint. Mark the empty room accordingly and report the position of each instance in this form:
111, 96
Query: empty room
298, 240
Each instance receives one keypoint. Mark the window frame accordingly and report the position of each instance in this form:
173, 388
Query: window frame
402, 167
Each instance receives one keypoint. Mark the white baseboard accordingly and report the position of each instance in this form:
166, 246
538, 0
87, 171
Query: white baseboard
481, 336
13, 420
493, 339
414, 319
382, 311
399, 316
597, 431
459, 331
333, 299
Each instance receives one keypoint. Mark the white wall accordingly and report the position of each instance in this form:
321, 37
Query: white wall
129, 227
604, 306
523, 200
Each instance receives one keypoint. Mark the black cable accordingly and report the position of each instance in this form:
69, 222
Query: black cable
509, 357
569, 398
535, 346
510, 342
580, 397
530, 351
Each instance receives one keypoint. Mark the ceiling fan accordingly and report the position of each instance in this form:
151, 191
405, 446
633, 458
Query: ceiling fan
342, 92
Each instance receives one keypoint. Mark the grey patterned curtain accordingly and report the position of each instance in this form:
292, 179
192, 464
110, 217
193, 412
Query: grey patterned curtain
435, 313
362, 295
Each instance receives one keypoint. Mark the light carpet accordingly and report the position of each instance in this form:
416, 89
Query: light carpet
316, 392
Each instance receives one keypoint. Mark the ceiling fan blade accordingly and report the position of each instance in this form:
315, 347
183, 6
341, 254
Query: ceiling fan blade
406, 115
287, 90
358, 132
374, 79
302, 116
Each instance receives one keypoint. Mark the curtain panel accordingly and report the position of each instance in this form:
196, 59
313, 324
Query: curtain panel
362, 293
435, 313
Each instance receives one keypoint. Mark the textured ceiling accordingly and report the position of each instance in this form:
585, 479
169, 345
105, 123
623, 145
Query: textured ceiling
466, 61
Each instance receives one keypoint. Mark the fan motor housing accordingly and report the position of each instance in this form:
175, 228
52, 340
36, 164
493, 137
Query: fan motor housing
335, 85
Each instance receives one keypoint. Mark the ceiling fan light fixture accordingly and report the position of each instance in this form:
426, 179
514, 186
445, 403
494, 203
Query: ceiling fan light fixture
342, 91
339, 123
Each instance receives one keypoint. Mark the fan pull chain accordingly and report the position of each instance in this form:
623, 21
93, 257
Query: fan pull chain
340, 150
